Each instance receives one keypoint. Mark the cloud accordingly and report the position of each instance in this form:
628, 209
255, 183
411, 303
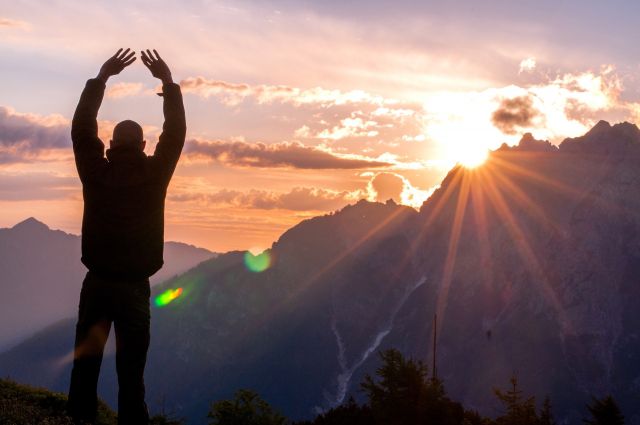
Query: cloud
387, 186
527, 65
284, 154
513, 113
37, 186
298, 199
124, 90
37, 131
356, 121
25, 136
234, 93
14, 23
566, 105
349, 127
384, 186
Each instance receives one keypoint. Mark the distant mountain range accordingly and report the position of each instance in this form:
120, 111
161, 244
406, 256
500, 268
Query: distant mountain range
41, 275
531, 262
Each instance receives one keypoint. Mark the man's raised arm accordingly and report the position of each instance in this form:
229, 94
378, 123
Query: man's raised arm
174, 128
87, 147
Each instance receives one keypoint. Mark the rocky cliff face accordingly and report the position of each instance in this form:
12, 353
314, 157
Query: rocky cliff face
531, 263
544, 274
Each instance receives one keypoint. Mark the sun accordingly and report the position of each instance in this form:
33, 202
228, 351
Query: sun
469, 155
472, 158
464, 146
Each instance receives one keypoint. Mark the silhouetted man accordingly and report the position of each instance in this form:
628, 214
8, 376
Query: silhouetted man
122, 238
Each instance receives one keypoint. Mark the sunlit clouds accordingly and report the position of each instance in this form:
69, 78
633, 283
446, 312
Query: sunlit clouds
298, 110
298, 199
285, 154
232, 94
14, 23
527, 65
391, 186
25, 136
124, 90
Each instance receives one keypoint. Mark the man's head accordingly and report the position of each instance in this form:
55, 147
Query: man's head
128, 132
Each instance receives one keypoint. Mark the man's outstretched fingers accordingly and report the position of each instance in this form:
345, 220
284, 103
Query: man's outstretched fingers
156, 65
128, 57
116, 63
121, 56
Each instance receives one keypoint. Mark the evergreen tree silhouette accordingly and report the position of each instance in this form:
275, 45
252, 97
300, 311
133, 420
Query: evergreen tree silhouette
247, 408
546, 414
349, 413
162, 419
519, 410
604, 411
403, 394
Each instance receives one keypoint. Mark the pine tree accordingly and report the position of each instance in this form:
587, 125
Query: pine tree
395, 397
247, 408
349, 413
404, 395
604, 411
546, 414
519, 410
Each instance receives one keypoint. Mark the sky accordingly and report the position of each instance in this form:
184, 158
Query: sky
298, 108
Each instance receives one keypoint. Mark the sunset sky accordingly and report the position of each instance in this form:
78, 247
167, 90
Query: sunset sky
298, 108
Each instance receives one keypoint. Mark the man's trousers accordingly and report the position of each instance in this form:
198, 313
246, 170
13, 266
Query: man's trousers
125, 303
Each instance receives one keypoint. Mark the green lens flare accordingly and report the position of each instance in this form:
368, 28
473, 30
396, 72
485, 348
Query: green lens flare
257, 263
167, 296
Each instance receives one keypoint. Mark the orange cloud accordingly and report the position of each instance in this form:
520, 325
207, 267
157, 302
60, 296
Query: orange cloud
384, 186
14, 23
233, 93
37, 186
119, 90
284, 154
355, 122
298, 199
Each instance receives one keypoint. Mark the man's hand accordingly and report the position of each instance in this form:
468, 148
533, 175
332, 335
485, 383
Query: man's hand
157, 66
115, 64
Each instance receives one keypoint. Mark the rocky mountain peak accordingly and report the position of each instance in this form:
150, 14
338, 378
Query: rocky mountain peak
530, 144
31, 224
605, 139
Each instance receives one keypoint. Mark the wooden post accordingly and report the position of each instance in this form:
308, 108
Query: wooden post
435, 333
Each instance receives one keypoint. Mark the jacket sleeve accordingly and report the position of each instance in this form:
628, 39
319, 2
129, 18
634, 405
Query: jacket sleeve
88, 149
174, 131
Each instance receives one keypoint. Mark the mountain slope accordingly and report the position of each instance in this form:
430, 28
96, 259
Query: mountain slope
42, 275
530, 262
232, 327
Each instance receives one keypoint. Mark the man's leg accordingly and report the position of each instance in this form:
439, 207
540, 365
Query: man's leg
92, 330
132, 342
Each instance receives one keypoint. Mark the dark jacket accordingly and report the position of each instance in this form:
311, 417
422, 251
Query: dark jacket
123, 221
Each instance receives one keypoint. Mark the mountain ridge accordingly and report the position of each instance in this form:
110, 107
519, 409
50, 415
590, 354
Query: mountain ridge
530, 262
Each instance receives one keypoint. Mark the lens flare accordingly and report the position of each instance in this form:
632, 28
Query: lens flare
167, 296
257, 263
